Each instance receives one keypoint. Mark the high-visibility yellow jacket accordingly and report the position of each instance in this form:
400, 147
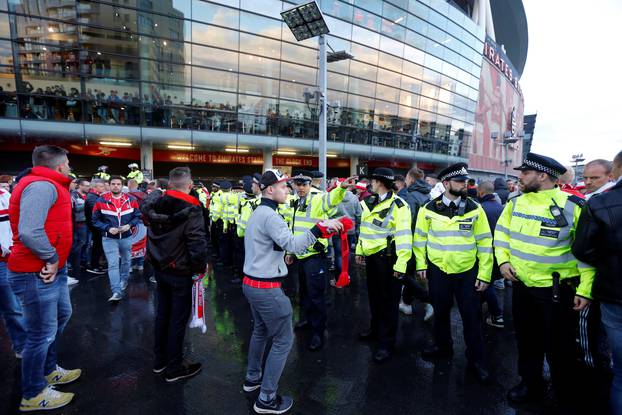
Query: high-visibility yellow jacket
528, 237
286, 209
454, 244
248, 204
203, 197
216, 205
101, 175
136, 175
314, 208
383, 223
229, 209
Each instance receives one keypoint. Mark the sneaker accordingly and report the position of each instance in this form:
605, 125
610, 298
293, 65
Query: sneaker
63, 376
495, 321
186, 371
499, 284
250, 386
152, 279
96, 270
72, 281
406, 308
429, 312
48, 399
115, 298
279, 405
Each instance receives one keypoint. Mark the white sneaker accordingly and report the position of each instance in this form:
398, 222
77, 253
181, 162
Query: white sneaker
406, 308
115, 297
72, 281
429, 312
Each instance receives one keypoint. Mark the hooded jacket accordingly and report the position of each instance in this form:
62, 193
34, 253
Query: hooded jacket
501, 189
176, 238
416, 195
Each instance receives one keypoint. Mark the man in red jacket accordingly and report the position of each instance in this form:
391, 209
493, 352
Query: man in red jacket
40, 218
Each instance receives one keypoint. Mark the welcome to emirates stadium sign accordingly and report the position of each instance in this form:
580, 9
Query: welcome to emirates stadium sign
495, 55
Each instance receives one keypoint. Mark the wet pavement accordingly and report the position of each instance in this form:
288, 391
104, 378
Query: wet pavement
113, 346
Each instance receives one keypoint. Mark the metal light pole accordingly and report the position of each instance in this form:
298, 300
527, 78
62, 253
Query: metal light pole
576, 159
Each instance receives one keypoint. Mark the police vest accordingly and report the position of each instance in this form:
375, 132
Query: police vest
454, 242
535, 234
314, 208
247, 207
384, 222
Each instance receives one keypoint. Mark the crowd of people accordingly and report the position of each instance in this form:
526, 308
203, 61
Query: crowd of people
423, 240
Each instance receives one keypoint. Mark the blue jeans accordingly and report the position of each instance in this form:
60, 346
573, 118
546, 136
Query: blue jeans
611, 315
47, 310
118, 250
11, 310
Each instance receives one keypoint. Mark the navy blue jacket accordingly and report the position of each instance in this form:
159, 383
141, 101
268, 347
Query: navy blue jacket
493, 210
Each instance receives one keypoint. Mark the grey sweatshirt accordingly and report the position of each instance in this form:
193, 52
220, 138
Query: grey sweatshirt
351, 208
267, 239
37, 199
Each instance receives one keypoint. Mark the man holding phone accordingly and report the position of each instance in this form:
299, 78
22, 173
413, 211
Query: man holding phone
40, 218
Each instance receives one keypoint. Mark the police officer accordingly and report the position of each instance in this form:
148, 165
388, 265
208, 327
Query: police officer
452, 244
247, 201
215, 212
308, 209
102, 173
385, 242
227, 215
533, 240
135, 173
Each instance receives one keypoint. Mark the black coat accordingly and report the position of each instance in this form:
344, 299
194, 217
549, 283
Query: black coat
501, 189
598, 242
177, 242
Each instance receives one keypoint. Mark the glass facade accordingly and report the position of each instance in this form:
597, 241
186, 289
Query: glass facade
232, 66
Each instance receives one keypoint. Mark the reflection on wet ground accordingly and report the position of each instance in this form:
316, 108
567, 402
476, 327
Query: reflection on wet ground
113, 346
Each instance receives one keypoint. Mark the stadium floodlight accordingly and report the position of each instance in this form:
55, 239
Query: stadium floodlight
305, 21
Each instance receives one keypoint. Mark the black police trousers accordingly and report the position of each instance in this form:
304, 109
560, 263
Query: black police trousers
544, 328
443, 289
383, 291
312, 279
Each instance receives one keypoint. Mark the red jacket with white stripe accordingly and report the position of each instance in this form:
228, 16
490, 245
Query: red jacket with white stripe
109, 213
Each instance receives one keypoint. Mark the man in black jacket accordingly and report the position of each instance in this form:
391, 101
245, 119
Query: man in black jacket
177, 249
97, 249
598, 242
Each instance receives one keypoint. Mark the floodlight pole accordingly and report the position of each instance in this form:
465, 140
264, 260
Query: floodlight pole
322, 114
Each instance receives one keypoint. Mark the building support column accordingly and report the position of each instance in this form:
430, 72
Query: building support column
354, 161
146, 157
267, 159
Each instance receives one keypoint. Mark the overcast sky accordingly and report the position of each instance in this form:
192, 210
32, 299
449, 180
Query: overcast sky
573, 77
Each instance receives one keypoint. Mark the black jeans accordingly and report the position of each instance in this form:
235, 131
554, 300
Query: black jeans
383, 291
544, 328
174, 297
312, 275
443, 289
97, 251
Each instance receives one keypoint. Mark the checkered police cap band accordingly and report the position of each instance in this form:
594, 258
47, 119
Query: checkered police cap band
384, 176
462, 172
540, 167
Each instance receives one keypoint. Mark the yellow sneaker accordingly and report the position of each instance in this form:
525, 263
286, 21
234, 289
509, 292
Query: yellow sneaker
48, 399
63, 376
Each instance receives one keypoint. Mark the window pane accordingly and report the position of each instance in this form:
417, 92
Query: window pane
390, 28
412, 69
295, 53
337, 81
259, 86
215, 58
270, 8
365, 37
366, 19
260, 25
215, 99
215, 14
390, 62
297, 73
412, 100
387, 93
210, 78
161, 26
215, 36
260, 45
411, 84
361, 87
256, 105
339, 28
389, 78
371, 5
259, 65
292, 90
362, 70
4, 26
365, 54
338, 9
165, 72
360, 103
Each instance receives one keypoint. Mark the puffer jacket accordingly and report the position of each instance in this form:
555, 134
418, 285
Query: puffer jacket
598, 242
176, 239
